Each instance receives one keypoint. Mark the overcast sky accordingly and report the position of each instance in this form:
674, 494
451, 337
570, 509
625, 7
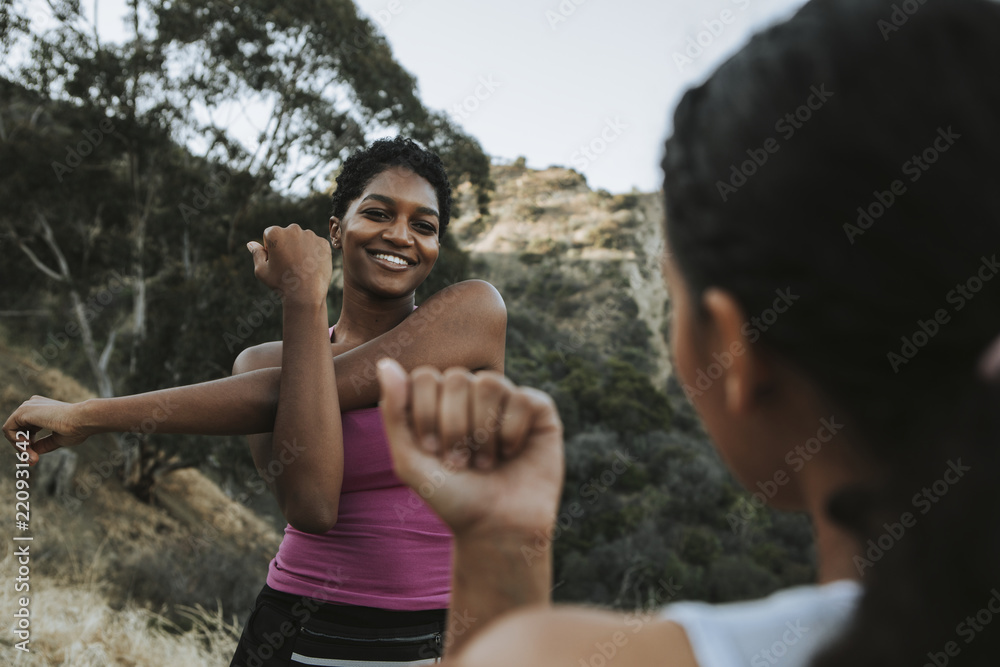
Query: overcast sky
587, 84
560, 75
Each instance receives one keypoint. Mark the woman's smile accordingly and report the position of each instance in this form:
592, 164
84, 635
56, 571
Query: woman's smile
390, 260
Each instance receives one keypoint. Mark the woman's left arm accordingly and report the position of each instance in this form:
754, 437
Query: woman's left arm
462, 325
500, 513
465, 325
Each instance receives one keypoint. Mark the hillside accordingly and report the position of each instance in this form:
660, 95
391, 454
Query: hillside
113, 579
606, 246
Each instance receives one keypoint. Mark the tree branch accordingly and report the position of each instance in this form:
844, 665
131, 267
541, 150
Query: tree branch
38, 263
50, 240
109, 347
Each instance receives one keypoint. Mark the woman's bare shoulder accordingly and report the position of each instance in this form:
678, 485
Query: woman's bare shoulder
268, 355
555, 636
472, 293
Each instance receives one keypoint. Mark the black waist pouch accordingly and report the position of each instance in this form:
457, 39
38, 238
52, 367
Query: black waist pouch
319, 638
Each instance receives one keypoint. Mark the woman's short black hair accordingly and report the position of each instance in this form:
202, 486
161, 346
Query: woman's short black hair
363, 166
851, 157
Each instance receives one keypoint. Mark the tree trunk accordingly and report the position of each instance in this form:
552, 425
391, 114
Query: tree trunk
98, 362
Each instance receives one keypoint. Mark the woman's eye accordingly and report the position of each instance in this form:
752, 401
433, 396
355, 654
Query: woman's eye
377, 213
426, 227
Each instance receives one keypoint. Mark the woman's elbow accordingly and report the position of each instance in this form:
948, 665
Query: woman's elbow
310, 515
312, 521
244, 361
256, 357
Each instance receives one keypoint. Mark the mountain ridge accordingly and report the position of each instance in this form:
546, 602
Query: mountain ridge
551, 218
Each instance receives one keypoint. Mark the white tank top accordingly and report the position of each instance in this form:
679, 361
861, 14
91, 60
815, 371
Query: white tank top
786, 629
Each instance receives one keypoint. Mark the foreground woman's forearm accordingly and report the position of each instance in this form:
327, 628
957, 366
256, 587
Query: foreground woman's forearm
494, 574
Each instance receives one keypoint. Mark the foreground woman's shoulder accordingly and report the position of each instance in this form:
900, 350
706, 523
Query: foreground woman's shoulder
573, 636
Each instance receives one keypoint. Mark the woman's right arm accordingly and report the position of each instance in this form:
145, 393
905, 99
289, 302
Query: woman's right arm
231, 406
502, 518
462, 325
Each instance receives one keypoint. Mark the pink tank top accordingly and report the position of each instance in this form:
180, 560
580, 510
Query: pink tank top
387, 550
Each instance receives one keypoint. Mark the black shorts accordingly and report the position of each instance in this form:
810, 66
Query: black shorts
285, 629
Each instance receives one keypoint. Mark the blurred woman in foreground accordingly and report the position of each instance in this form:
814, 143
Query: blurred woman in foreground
834, 226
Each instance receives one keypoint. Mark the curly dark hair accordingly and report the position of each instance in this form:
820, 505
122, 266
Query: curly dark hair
363, 166
878, 206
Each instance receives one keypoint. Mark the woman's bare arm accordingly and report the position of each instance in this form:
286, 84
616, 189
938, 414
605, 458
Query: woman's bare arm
501, 516
564, 636
306, 471
464, 324
308, 439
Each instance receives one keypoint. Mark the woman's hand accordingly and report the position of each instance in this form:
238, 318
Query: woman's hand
295, 262
486, 455
37, 413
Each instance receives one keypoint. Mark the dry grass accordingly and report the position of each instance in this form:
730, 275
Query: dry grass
76, 626
115, 581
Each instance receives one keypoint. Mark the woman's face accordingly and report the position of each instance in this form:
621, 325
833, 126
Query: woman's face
389, 235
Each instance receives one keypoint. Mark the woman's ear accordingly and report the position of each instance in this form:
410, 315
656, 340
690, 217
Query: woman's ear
744, 368
335, 231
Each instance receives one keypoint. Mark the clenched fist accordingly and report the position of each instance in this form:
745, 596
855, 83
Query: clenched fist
63, 419
295, 262
487, 456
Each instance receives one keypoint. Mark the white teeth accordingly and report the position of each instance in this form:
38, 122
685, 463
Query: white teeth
392, 258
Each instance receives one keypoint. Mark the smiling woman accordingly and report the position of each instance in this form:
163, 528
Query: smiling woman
364, 571
369, 568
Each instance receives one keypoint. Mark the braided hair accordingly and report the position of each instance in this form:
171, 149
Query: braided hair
852, 154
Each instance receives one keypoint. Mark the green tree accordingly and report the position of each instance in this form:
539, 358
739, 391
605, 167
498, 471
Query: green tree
121, 159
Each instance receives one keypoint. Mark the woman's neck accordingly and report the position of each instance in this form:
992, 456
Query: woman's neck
364, 317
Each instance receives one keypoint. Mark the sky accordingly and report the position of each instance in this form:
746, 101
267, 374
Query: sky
586, 84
